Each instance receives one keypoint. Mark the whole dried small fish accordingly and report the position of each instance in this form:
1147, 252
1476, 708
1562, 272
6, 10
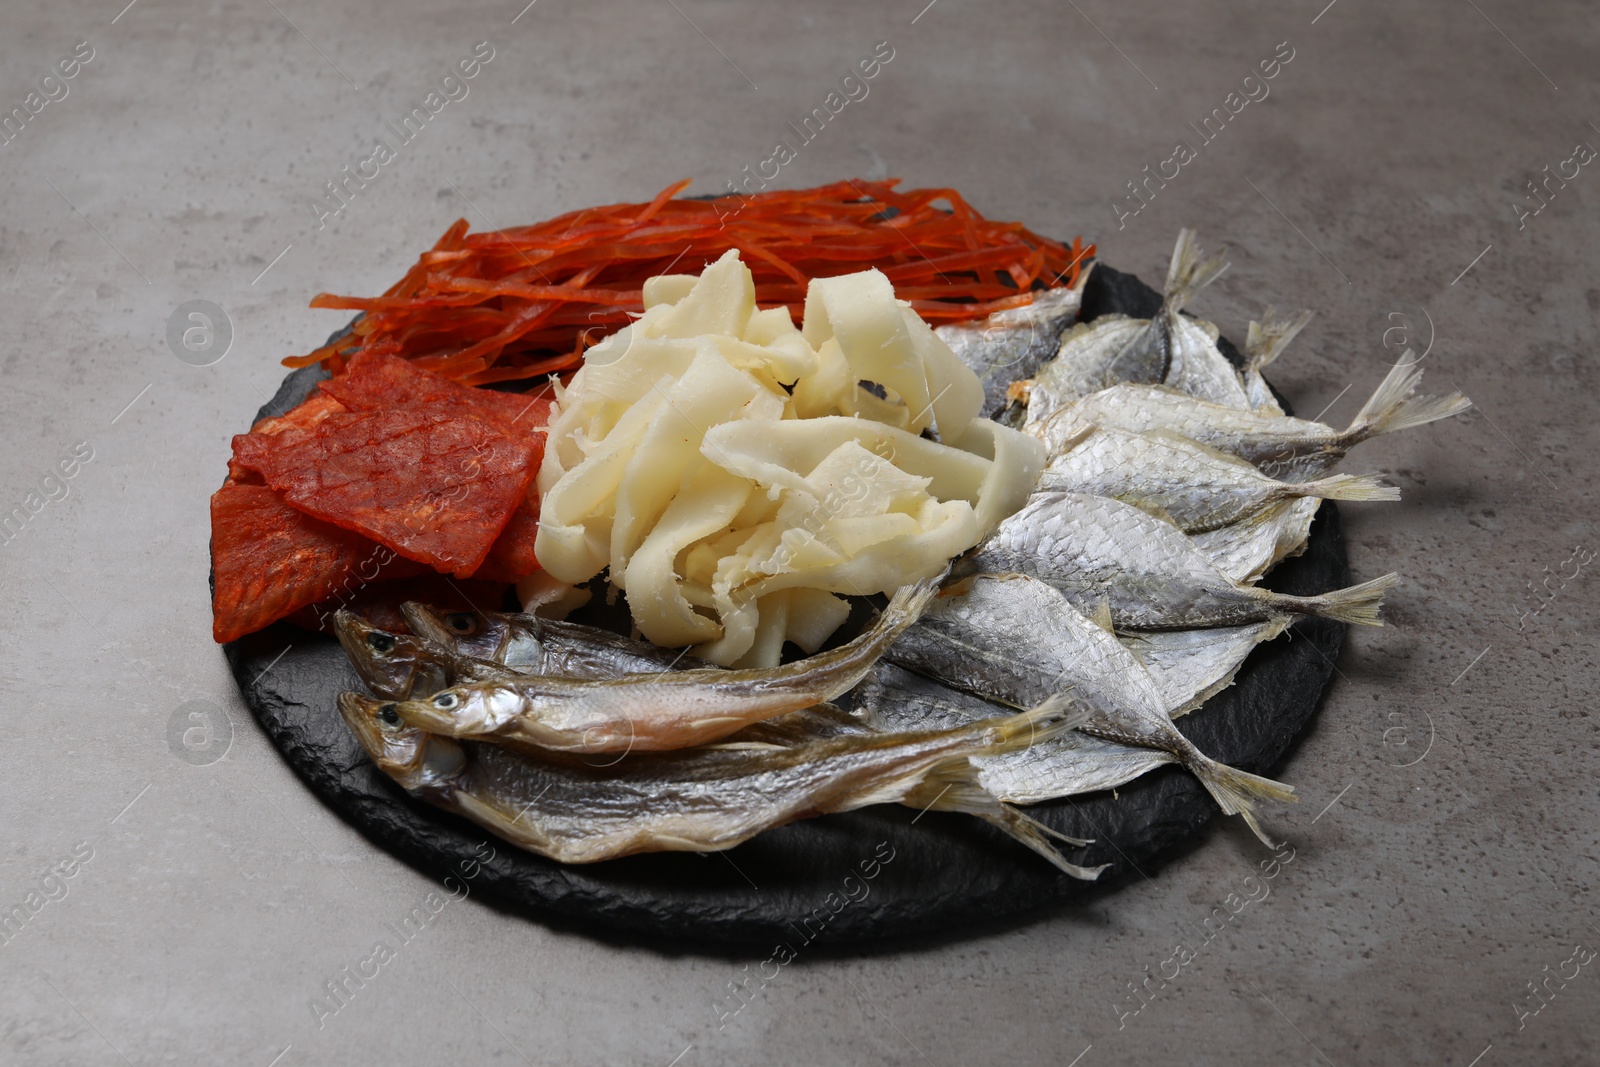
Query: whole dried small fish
1016, 640
1284, 447
1266, 341
664, 710
1169, 349
700, 800
1246, 550
1107, 555
397, 666
1012, 344
534, 645
1196, 487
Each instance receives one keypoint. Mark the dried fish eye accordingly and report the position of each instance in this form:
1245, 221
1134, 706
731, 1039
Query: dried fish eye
380, 641
389, 715
462, 622
446, 701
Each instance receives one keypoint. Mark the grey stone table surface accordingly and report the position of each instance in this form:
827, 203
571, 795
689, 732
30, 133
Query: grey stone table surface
194, 903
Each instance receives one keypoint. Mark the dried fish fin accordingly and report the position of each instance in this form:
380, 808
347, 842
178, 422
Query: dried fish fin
954, 787
1187, 273
1268, 338
1264, 343
1357, 604
1236, 792
1148, 357
1026, 830
1049, 719
1342, 487
1392, 406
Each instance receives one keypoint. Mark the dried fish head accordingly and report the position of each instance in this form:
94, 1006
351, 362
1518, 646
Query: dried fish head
483, 635
393, 666
469, 710
412, 757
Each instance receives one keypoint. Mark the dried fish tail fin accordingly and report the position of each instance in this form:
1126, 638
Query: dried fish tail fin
1026, 830
1187, 274
1056, 716
1340, 487
1356, 604
1268, 338
910, 601
1392, 406
953, 786
1236, 792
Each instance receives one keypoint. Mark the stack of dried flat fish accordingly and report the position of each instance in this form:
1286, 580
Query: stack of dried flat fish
1174, 483
1050, 662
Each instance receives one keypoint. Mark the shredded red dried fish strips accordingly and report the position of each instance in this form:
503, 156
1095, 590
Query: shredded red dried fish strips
435, 488
379, 603
518, 303
270, 560
375, 380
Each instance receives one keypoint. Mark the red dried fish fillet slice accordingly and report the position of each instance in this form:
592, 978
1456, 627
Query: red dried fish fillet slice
304, 415
435, 488
511, 556
379, 380
269, 560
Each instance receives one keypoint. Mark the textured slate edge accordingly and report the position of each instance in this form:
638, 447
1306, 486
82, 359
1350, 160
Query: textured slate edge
951, 876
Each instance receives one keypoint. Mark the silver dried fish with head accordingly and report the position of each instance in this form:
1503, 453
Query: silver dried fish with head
664, 710
700, 800
536, 645
403, 666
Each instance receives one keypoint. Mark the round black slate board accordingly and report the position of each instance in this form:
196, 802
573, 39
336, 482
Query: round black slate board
945, 875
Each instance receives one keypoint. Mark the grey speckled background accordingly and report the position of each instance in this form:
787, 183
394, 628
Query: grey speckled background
1385, 163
